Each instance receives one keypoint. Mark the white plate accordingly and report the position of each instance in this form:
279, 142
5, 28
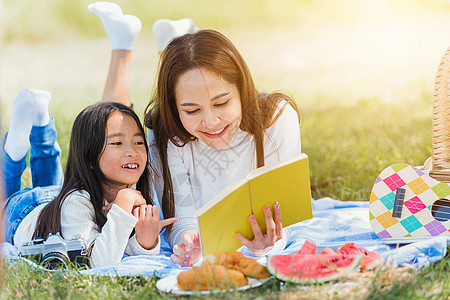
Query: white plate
169, 285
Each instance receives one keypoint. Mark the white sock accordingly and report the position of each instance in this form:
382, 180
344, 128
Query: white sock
166, 30
42, 101
23, 115
122, 30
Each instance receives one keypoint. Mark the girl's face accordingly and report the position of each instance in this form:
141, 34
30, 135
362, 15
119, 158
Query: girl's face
209, 107
124, 157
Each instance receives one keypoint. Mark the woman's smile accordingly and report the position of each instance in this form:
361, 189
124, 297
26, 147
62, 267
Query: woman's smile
215, 134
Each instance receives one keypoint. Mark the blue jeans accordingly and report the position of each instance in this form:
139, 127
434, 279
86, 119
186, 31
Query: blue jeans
46, 174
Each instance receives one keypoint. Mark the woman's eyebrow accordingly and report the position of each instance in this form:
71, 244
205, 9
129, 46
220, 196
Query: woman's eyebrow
219, 96
212, 99
188, 104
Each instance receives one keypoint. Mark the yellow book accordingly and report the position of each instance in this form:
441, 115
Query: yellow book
227, 214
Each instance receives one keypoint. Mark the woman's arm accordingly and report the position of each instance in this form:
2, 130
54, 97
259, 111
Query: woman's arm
184, 201
183, 238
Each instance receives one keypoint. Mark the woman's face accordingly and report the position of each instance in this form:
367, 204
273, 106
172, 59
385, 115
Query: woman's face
209, 107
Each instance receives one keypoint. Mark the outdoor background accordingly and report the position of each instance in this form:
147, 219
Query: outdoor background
361, 71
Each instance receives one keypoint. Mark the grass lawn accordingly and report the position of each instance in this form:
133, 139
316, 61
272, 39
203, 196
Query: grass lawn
362, 73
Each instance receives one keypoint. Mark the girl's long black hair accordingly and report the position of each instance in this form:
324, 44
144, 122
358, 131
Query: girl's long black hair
83, 172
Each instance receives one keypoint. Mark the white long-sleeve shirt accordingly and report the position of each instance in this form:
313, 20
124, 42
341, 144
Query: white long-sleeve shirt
77, 217
200, 172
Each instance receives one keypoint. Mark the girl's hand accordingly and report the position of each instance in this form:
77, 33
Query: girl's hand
274, 230
127, 199
148, 225
188, 250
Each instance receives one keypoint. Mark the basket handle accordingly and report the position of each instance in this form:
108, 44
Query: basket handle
441, 121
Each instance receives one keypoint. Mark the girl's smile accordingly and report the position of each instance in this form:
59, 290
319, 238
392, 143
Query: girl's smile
209, 107
131, 166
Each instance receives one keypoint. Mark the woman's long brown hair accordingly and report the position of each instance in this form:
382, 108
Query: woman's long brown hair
87, 143
210, 50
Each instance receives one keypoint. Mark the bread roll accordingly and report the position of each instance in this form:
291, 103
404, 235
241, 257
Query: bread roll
237, 261
210, 276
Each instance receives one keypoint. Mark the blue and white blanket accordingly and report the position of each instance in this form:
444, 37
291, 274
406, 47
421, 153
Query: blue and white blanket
334, 224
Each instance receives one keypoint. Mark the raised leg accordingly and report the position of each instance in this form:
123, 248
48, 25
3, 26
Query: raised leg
11, 170
45, 156
117, 87
122, 31
15, 144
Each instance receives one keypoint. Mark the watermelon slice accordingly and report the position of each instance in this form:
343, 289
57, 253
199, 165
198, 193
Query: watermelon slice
308, 248
327, 251
311, 268
369, 259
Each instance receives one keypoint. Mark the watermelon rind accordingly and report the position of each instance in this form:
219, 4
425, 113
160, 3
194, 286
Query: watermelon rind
368, 262
328, 273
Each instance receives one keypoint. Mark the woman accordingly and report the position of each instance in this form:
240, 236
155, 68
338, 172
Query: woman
211, 127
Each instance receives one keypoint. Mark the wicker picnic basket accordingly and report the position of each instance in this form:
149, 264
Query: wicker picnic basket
441, 122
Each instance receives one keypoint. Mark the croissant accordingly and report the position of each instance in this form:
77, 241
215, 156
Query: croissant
209, 276
237, 261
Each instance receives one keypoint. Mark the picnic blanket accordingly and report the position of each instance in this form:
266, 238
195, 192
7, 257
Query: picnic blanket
334, 223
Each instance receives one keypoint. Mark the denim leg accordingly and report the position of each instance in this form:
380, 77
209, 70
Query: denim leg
20, 204
45, 156
11, 170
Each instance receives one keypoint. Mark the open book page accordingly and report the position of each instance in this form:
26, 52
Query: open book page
288, 184
219, 224
223, 194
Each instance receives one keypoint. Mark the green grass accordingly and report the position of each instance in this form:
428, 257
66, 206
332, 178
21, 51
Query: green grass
431, 283
25, 282
358, 141
362, 73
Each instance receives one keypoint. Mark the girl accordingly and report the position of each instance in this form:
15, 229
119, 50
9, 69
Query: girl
107, 169
211, 127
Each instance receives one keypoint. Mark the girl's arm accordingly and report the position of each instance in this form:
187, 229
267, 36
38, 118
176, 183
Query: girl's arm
77, 215
146, 238
109, 243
